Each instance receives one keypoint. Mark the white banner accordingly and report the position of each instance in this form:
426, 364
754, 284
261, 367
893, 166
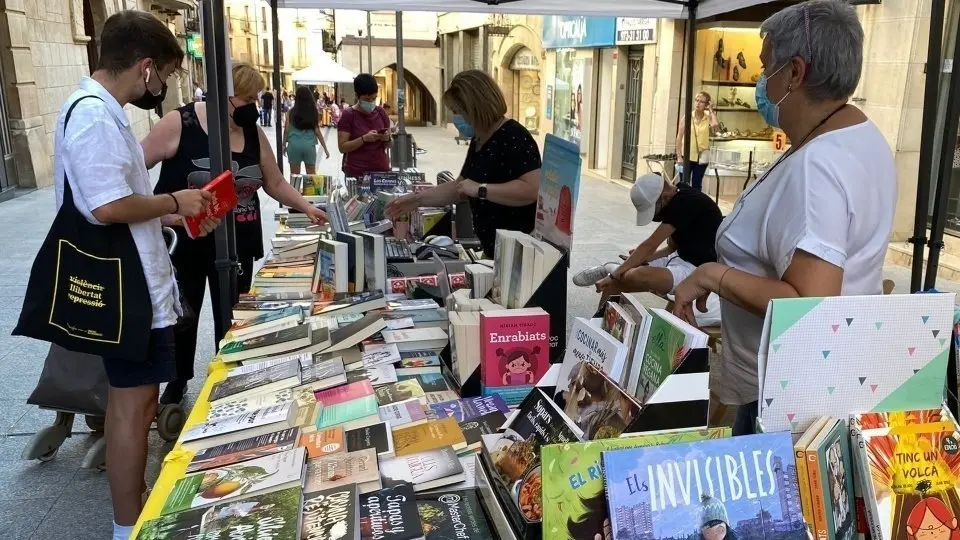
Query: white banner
636, 30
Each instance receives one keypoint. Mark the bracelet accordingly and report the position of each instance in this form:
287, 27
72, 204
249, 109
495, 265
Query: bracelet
176, 202
720, 283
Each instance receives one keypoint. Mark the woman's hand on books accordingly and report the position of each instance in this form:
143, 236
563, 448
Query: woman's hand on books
401, 206
316, 215
693, 289
208, 225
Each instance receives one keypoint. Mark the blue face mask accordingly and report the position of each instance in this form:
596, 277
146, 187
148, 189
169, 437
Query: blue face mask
768, 110
367, 106
464, 127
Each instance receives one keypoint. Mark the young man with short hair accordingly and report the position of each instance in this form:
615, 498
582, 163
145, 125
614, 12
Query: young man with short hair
101, 158
267, 100
688, 221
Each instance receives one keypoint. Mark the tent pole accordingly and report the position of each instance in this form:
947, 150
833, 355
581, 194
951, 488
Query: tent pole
277, 82
927, 138
369, 45
947, 144
401, 140
688, 94
214, 33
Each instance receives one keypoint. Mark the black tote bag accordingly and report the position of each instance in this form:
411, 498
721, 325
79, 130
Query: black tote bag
87, 291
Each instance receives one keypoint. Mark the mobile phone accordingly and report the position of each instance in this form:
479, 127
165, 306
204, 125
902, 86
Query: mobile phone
382, 131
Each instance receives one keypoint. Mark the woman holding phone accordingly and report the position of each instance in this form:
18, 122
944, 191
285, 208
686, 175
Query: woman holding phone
363, 133
703, 124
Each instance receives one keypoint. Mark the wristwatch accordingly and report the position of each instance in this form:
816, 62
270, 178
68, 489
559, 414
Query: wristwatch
482, 192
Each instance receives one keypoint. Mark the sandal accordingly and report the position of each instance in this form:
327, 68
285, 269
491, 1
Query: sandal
741, 60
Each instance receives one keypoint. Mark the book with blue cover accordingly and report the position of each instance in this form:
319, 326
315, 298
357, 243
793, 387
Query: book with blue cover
470, 408
559, 187
742, 487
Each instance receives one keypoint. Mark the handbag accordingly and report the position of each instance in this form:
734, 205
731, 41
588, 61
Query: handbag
87, 291
71, 381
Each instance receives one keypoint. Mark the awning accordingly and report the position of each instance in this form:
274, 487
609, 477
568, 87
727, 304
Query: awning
631, 8
324, 70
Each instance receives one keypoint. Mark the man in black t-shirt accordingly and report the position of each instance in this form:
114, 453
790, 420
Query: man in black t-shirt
688, 224
267, 100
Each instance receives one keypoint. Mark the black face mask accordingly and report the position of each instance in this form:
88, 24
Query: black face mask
148, 101
246, 115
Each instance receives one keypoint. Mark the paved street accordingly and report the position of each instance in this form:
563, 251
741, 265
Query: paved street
59, 500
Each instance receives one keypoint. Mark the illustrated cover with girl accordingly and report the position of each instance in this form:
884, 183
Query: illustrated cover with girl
911, 491
723, 489
516, 353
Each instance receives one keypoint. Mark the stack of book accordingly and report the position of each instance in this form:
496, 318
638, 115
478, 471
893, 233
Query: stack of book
522, 263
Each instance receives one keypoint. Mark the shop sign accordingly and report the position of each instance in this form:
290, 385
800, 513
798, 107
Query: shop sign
560, 31
195, 45
525, 60
636, 30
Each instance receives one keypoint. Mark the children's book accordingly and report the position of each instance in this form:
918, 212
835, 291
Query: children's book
270, 516
390, 514
425, 470
470, 408
330, 514
588, 344
343, 469
830, 476
261, 475
740, 487
559, 188
453, 514
515, 346
845, 338
574, 504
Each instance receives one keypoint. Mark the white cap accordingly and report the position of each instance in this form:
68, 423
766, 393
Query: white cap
644, 194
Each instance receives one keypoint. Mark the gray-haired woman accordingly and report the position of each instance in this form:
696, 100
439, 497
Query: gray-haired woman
818, 221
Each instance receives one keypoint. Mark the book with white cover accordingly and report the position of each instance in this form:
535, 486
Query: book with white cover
242, 426
375, 261
227, 408
589, 343
355, 260
414, 339
250, 366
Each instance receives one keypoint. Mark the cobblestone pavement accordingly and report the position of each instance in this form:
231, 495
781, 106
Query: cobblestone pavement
58, 500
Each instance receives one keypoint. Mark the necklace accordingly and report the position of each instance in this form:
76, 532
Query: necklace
793, 150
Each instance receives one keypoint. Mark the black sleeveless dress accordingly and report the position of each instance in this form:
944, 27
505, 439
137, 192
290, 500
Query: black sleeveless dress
194, 259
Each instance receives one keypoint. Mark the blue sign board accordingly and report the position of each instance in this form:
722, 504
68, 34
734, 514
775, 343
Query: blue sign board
562, 31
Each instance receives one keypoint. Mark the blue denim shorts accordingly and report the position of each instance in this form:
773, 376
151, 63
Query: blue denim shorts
159, 366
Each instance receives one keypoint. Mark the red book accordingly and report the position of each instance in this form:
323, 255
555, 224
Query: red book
515, 351
224, 200
345, 393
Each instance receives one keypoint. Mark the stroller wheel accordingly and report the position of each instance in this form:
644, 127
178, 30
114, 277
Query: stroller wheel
170, 421
95, 423
49, 455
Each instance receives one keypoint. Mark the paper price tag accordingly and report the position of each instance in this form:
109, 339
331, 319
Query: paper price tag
779, 140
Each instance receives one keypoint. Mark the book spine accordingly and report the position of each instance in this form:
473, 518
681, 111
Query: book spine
818, 508
803, 480
866, 503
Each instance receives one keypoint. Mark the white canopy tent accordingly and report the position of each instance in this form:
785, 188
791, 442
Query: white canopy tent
324, 70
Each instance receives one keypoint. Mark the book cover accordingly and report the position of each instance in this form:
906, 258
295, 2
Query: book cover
249, 366
331, 273
355, 261
347, 411
412, 304
515, 353
390, 514
378, 437
422, 437
415, 338
475, 428
269, 516
275, 297
377, 375
600, 407
223, 199
380, 354
587, 345
343, 469
323, 375
405, 412
287, 335
470, 408
289, 372
742, 487
836, 483
232, 407
430, 381
424, 469
398, 391
244, 450
268, 473
574, 500
265, 323
849, 336
432, 398
323, 442
275, 414
346, 303
453, 514
418, 359
345, 393
663, 351
516, 454
330, 514
559, 188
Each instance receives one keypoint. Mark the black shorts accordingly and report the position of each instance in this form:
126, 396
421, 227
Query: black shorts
159, 366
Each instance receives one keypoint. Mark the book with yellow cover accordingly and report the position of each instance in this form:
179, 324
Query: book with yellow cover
429, 436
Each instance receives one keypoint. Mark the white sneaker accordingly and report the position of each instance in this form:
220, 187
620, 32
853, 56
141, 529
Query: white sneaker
589, 276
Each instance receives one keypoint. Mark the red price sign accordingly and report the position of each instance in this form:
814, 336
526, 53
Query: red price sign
779, 140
